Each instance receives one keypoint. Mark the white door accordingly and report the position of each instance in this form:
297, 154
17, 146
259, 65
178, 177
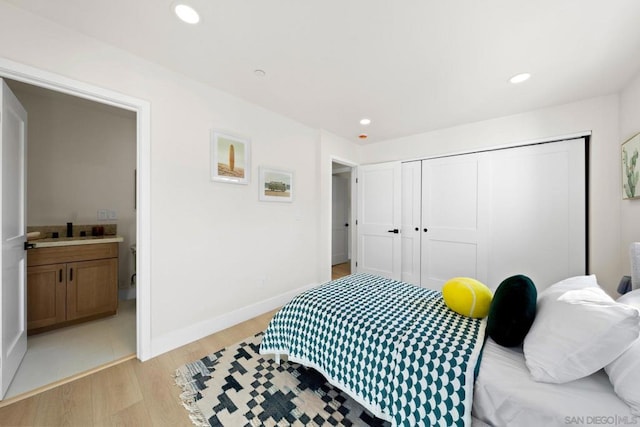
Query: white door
340, 219
452, 223
379, 210
13, 327
538, 205
411, 220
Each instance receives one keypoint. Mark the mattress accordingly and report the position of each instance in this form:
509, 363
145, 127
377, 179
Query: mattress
505, 395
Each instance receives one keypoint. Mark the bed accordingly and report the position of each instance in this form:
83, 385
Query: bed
399, 351
505, 395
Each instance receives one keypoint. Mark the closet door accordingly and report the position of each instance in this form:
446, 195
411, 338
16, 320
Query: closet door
379, 210
411, 220
454, 222
538, 212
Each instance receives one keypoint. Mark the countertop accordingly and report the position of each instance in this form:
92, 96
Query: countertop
72, 241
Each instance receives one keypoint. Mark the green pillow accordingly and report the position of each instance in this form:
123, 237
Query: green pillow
512, 311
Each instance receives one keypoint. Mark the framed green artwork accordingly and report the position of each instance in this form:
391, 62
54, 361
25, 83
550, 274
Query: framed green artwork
630, 168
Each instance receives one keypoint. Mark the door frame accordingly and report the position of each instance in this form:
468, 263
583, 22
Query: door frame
48, 80
352, 243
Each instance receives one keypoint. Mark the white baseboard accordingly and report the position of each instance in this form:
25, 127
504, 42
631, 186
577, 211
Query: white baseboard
200, 330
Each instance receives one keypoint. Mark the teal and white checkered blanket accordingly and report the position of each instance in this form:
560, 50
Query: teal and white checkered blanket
396, 348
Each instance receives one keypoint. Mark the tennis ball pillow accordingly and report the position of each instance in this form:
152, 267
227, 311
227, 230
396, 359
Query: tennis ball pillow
467, 296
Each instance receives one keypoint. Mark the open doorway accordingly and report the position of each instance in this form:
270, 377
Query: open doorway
80, 171
341, 219
141, 183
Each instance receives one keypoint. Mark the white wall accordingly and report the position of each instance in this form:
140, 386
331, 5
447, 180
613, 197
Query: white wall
216, 249
599, 115
629, 209
81, 158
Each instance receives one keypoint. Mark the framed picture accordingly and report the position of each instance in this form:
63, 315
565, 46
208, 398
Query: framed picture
230, 158
630, 168
276, 185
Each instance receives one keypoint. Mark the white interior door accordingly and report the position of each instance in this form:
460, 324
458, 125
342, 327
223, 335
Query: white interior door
13, 120
538, 205
411, 220
340, 219
451, 220
379, 219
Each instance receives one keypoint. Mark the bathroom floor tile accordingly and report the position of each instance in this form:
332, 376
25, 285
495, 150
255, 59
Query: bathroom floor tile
55, 355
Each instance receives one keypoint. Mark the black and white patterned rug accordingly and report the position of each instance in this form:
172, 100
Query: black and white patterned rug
238, 386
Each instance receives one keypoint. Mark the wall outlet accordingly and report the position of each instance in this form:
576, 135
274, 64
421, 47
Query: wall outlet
111, 214
102, 214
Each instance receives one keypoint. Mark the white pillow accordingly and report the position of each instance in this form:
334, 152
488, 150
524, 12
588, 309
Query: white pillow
631, 298
578, 330
624, 372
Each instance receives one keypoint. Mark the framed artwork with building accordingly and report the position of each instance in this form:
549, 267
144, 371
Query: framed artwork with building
276, 185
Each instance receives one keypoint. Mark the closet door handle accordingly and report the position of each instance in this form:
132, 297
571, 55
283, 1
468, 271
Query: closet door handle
394, 231
70, 274
60, 276
426, 229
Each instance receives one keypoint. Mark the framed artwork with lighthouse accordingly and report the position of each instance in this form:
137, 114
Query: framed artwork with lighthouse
230, 158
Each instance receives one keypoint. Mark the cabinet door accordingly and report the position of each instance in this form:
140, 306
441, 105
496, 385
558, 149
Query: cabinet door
92, 288
46, 295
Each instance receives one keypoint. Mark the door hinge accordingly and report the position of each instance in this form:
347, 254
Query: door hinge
356, 180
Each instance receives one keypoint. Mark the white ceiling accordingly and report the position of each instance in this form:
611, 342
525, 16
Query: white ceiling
410, 65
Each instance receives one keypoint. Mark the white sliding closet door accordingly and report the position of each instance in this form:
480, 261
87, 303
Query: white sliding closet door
538, 212
454, 222
411, 221
379, 210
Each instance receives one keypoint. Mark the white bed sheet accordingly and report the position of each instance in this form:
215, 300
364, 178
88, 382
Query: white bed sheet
506, 395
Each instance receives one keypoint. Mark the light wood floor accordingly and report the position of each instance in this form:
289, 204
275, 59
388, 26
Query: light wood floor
340, 270
127, 394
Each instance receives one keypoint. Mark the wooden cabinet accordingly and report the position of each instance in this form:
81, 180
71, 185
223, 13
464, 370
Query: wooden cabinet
70, 284
46, 295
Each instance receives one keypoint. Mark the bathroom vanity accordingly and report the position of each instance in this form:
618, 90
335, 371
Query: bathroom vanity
71, 281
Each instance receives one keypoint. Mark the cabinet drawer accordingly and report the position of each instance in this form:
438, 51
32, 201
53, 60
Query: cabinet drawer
64, 254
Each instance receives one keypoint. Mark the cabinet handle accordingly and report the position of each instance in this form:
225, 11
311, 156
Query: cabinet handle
395, 231
71, 274
60, 276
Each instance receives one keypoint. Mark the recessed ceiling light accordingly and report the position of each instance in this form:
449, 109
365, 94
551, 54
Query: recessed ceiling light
259, 73
519, 78
365, 121
187, 13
